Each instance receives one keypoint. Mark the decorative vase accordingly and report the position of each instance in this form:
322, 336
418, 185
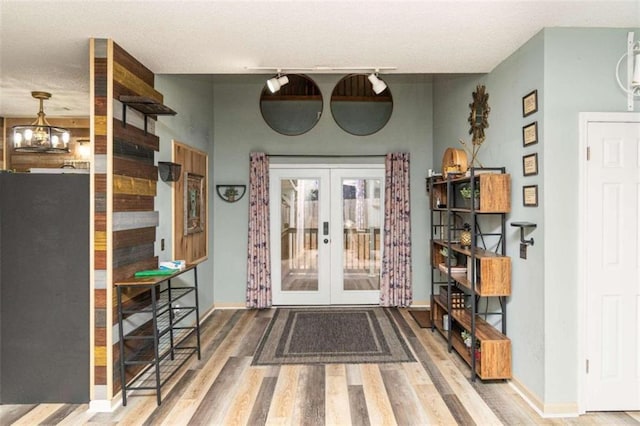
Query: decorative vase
465, 236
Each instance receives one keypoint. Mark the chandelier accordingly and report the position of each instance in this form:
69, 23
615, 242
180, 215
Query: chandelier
40, 136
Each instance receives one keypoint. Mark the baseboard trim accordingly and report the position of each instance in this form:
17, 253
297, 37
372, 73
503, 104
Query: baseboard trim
104, 405
221, 306
543, 410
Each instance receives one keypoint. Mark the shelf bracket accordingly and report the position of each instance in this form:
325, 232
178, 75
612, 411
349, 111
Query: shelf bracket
524, 243
146, 106
522, 226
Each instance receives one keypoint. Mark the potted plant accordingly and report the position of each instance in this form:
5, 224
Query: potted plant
465, 191
230, 194
466, 338
449, 254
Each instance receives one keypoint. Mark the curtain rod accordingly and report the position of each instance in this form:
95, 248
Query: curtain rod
327, 155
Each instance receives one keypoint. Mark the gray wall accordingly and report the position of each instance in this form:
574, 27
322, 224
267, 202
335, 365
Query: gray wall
573, 71
192, 98
239, 129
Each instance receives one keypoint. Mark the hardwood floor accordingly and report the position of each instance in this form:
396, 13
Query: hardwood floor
223, 388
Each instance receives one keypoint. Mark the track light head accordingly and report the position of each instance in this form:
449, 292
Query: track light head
378, 85
274, 84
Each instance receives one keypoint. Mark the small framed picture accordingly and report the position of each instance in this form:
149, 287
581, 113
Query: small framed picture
530, 196
530, 134
530, 103
530, 164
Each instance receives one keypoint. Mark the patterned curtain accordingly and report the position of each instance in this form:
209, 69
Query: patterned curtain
258, 257
395, 286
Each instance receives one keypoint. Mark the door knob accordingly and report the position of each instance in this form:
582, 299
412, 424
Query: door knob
326, 241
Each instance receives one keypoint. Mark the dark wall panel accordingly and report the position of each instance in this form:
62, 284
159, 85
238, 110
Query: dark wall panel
44, 288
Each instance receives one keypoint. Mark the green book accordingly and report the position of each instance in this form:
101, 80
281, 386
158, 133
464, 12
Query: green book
154, 272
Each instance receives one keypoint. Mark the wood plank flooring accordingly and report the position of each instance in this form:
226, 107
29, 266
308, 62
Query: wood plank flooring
223, 388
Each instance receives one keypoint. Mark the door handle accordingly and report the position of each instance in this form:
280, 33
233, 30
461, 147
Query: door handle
326, 241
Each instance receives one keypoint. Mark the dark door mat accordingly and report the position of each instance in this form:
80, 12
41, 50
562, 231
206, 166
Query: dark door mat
422, 317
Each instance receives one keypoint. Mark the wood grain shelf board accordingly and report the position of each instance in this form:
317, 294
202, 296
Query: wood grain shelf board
495, 348
146, 105
495, 192
484, 331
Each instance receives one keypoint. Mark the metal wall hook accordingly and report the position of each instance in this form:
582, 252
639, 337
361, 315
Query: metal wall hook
522, 226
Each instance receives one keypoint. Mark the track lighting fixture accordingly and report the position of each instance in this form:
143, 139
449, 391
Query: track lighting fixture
274, 84
378, 85
632, 86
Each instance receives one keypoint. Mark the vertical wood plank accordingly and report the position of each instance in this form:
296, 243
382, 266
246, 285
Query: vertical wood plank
337, 395
380, 410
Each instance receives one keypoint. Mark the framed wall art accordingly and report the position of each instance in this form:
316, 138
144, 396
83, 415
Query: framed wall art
530, 196
530, 164
530, 103
194, 207
530, 134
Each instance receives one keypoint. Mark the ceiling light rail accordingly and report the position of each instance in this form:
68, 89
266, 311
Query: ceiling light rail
322, 69
275, 83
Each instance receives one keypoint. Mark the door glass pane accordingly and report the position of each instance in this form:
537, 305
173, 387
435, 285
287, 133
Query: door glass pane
299, 234
361, 228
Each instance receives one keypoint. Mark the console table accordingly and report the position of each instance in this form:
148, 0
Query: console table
161, 351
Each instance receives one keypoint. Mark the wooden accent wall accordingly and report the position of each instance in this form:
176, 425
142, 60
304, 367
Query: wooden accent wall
125, 181
100, 109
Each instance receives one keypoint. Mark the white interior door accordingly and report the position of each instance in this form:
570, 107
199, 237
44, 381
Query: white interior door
326, 234
612, 262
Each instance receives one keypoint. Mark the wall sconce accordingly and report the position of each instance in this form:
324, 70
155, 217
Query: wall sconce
168, 171
231, 193
632, 86
83, 150
524, 243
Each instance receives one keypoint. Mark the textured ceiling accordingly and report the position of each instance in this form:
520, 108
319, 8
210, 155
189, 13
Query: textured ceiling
228, 37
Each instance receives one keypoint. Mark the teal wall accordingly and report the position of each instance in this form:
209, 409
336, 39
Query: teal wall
240, 129
192, 98
573, 71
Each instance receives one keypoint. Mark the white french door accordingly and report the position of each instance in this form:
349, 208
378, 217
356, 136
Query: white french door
612, 279
326, 234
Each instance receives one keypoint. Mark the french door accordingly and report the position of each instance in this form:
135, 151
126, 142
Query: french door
326, 234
